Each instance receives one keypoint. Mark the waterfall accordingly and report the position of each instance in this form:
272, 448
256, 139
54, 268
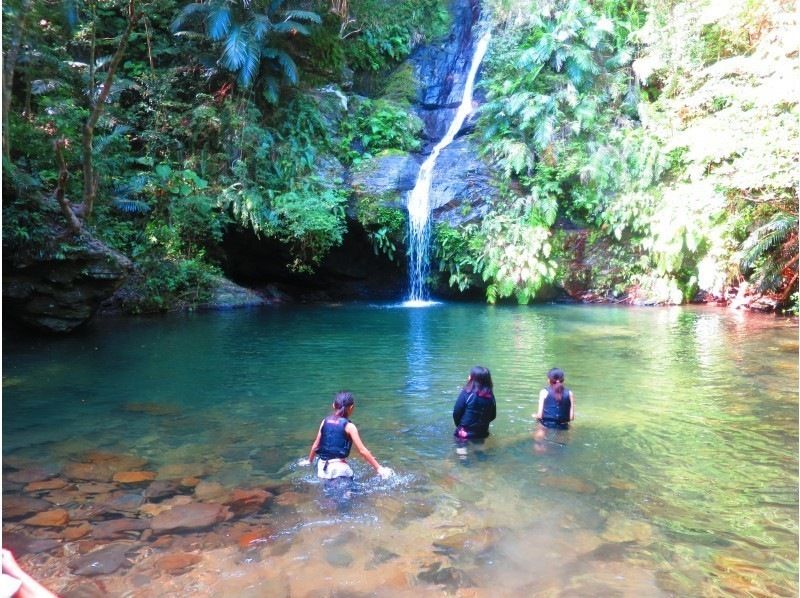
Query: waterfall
419, 228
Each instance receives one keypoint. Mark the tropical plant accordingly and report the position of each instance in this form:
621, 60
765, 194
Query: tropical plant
249, 33
770, 255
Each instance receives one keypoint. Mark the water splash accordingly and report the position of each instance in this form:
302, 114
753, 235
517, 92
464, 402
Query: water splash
419, 230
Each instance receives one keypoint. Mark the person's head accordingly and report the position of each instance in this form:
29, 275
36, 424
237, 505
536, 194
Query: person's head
480, 379
556, 377
343, 403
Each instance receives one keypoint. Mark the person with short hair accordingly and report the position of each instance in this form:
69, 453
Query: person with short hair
336, 436
475, 406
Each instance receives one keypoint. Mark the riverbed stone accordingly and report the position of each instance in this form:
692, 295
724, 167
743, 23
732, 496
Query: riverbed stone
52, 518
177, 471
28, 475
177, 563
160, 489
134, 477
95, 472
245, 501
96, 488
207, 490
21, 544
75, 532
103, 561
17, 507
189, 517
114, 528
569, 484
290, 499
621, 529
45, 485
125, 502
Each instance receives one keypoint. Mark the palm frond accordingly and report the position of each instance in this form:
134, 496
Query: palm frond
303, 15
288, 67
260, 26
236, 49
292, 27
43, 86
249, 70
187, 14
218, 22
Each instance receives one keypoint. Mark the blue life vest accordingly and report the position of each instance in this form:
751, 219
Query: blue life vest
335, 443
555, 411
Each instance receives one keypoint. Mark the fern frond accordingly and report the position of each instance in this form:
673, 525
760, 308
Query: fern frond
218, 22
43, 86
130, 206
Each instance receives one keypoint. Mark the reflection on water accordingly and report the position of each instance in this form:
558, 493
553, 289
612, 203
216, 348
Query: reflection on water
679, 476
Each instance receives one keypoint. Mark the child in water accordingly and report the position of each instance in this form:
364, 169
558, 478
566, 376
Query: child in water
556, 402
475, 406
337, 434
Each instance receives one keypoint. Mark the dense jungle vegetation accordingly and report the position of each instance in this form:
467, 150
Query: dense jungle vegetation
157, 126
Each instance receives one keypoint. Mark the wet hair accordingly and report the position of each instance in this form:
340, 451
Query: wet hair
342, 402
480, 381
555, 374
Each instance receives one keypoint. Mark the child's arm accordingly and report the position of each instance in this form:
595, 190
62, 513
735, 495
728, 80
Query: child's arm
571, 406
314, 446
352, 431
542, 397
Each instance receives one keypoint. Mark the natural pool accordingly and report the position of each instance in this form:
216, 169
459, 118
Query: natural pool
679, 477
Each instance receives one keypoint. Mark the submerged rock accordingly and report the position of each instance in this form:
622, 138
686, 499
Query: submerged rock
103, 561
190, 517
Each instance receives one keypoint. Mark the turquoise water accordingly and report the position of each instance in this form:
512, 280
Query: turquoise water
679, 476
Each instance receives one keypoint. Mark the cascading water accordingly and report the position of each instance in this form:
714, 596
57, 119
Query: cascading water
418, 201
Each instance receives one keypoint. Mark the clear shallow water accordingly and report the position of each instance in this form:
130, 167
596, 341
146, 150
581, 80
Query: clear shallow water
679, 476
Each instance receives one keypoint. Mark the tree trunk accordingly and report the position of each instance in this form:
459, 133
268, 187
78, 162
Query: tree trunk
72, 220
89, 175
9, 65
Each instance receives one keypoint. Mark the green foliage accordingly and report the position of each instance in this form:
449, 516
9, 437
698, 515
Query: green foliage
378, 125
386, 227
247, 33
769, 254
390, 30
719, 42
457, 251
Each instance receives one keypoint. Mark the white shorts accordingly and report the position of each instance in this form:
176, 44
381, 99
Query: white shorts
336, 468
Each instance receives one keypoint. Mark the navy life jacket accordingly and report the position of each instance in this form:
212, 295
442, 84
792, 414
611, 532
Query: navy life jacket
335, 443
555, 411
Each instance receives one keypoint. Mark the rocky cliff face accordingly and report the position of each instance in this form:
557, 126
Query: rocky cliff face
58, 291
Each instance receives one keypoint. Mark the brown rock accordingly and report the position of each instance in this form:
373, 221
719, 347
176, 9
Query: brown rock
115, 461
189, 517
16, 507
209, 490
254, 538
54, 518
76, 531
96, 488
177, 471
290, 499
243, 501
163, 542
134, 477
89, 471
113, 528
44, 485
177, 563
190, 482
26, 476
